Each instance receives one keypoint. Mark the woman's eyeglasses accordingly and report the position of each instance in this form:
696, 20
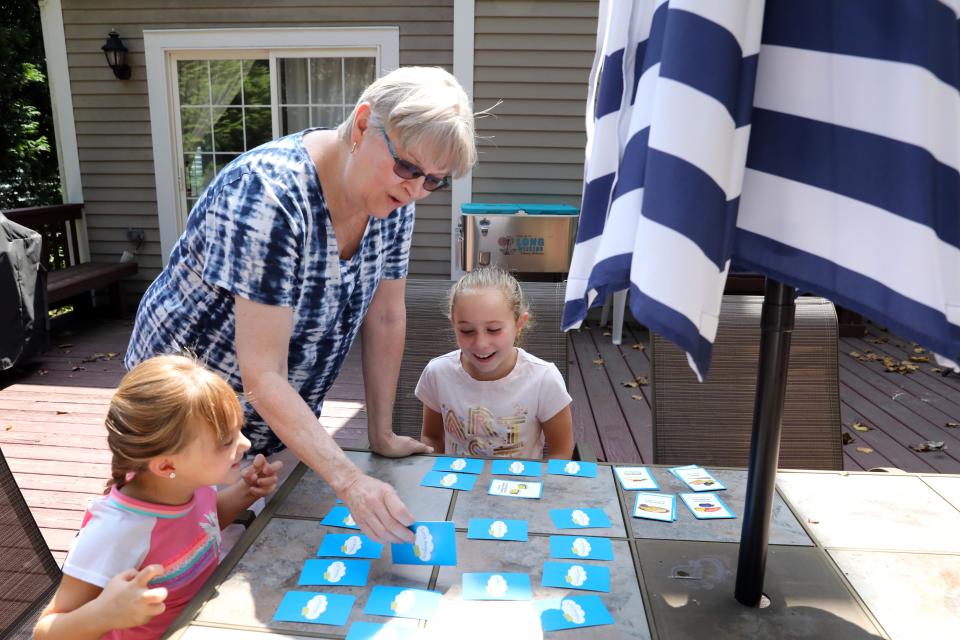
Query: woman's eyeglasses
410, 171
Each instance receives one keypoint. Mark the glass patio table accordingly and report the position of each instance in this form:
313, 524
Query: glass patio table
851, 555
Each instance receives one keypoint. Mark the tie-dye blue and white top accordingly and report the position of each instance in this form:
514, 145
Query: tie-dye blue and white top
262, 231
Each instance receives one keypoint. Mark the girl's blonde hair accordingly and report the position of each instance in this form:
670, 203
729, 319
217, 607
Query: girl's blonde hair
491, 278
149, 412
423, 108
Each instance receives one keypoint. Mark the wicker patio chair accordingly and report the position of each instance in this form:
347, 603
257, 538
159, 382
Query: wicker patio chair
710, 423
28, 573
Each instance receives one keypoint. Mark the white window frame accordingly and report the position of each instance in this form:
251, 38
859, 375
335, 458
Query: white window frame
163, 47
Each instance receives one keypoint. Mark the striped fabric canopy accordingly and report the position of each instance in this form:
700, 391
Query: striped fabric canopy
814, 141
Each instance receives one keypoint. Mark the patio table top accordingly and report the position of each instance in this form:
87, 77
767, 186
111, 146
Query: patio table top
851, 555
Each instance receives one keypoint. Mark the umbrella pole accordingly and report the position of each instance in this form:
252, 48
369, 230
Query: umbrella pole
776, 322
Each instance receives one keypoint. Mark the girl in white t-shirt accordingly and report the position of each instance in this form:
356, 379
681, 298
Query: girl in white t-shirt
146, 547
490, 397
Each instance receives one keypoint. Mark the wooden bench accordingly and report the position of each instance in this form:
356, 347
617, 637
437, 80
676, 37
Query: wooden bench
68, 277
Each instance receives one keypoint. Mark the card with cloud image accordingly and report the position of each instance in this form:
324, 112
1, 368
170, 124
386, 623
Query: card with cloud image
459, 465
581, 547
349, 545
515, 488
588, 577
496, 586
516, 468
583, 518
572, 612
340, 517
448, 480
314, 608
360, 630
494, 529
572, 468
402, 602
435, 544
335, 573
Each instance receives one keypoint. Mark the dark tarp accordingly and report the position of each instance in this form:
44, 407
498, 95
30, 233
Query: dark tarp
23, 294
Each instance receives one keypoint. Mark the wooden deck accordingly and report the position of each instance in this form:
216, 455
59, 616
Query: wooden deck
52, 434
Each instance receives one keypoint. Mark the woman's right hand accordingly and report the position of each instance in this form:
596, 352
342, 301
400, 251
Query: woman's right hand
378, 510
128, 601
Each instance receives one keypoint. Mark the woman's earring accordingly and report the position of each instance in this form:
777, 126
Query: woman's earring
172, 475
354, 147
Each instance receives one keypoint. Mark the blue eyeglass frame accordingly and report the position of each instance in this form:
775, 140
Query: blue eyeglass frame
404, 167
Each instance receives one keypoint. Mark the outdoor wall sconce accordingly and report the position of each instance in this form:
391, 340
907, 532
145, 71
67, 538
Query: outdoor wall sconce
116, 54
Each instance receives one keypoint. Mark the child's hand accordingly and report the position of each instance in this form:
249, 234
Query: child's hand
260, 477
128, 601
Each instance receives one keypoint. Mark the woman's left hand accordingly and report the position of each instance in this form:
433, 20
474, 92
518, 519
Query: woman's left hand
400, 447
261, 477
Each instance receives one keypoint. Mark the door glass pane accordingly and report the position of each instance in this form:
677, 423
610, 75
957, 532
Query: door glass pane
256, 82
258, 126
294, 82
357, 73
319, 92
325, 81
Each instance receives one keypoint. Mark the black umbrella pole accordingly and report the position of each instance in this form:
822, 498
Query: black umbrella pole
776, 322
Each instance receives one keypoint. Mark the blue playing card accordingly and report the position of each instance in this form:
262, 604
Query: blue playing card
572, 468
337, 573
402, 602
340, 517
349, 545
375, 631
516, 468
315, 608
585, 518
435, 544
581, 547
572, 612
460, 465
589, 577
493, 529
448, 480
496, 586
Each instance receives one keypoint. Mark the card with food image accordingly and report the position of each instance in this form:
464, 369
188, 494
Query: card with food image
496, 586
572, 612
314, 608
581, 547
572, 468
340, 517
656, 506
435, 544
636, 479
349, 545
566, 575
448, 480
335, 572
697, 478
706, 506
516, 468
459, 465
495, 529
515, 488
583, 518
402, 602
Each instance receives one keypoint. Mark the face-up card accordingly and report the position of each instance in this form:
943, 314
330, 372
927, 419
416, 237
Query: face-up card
572, 468
448, 480
656, 506
515, 488
338, 573
493, 529
435, 544
315, 608
375, 631
340, 517
401, 602
572, 612
581, 547
589, 577
496, 586
635, 479
584, 518
697, 478
516, 468
459, 465
706, 506
349, 545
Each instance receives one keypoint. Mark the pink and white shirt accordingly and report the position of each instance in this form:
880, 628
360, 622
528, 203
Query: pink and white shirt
119, 533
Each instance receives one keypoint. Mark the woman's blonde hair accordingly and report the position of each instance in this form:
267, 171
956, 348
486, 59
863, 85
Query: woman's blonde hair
423, 108
149, 412
491, 278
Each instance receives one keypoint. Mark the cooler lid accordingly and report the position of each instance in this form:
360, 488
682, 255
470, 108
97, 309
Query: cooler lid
533, 209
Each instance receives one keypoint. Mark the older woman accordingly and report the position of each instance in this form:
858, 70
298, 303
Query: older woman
293, 249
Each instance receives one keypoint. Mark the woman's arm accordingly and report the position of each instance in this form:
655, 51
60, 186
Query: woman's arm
432, 432
558, 433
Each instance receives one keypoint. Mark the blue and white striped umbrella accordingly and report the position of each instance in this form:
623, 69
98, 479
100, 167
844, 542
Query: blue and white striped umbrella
814, 141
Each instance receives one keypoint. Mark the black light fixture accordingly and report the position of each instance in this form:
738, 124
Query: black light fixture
116, 54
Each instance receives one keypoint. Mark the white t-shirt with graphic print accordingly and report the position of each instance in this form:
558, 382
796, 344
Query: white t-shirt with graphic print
493, 417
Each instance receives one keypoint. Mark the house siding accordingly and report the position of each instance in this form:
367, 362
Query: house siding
113, 119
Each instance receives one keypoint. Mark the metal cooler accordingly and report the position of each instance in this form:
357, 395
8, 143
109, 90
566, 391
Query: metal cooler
524, 238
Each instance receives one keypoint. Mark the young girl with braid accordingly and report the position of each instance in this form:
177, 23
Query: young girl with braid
147, 546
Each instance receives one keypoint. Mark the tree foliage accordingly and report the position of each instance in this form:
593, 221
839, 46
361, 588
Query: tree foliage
28, 159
